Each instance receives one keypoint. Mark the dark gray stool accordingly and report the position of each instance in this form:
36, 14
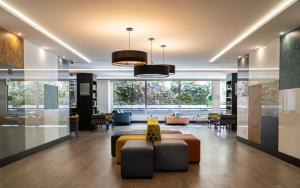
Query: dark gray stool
137, 159
171, 155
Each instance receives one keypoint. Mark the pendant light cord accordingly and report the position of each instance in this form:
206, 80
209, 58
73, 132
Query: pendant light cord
151, 53
129, 40
129, 29
163, 47
151, 39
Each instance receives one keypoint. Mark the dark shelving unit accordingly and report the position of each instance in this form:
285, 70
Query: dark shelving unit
231, 96
73, 96
86, 99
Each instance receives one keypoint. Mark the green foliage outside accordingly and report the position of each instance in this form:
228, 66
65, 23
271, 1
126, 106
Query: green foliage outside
162, 92
16, 94
22, 93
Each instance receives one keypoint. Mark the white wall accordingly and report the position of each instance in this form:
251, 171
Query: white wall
104, 96
216, 96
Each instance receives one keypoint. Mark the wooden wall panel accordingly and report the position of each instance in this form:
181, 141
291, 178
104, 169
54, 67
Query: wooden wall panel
254, 116
11, 50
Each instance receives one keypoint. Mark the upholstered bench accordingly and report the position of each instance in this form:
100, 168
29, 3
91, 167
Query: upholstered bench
171, 155
117, 134
192, 141
122, 140
137, 159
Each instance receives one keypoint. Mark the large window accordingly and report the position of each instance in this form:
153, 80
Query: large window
165, 97
162, 97
129, 95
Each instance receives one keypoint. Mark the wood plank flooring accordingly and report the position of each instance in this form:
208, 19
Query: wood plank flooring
86, 162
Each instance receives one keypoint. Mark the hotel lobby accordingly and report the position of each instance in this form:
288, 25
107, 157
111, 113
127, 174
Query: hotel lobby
135, 93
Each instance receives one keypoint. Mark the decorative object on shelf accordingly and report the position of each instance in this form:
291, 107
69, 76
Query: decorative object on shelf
171, 67
151, 70
129, 57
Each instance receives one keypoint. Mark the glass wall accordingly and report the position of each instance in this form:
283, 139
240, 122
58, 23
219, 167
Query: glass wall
34, 104
159, 98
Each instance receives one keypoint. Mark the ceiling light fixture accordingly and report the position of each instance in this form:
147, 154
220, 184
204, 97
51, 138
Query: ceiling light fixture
129, 57
39, 28
171, 67
266, 18
281, 33
151, 71
19, 34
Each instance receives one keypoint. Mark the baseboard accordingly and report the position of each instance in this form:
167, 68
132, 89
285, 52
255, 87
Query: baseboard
277, 154
26, 153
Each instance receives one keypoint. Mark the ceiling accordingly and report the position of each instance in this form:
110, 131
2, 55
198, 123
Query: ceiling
193, 30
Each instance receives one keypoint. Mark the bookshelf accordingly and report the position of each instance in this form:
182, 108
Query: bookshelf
86, 99
231, 97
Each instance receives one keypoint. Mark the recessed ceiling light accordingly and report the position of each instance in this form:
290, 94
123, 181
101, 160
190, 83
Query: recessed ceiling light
239, 56
262, 21
39, 28
19, 34
282, 33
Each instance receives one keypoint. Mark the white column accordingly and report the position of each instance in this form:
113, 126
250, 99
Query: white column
216, 96
104, 96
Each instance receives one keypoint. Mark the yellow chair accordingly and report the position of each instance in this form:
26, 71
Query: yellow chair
122, 140
213, 118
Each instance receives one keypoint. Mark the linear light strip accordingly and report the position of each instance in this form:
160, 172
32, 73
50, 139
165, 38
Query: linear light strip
39, 28
265, 19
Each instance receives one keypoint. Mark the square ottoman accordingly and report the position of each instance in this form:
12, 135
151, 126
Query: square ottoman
122, 141
171, 155
191, 140
137, 159
118, 134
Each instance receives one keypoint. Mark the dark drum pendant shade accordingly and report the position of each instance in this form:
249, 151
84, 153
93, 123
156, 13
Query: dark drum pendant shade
151, 71
171, 68
129, 58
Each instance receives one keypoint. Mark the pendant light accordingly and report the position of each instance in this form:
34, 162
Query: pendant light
151, 70
129, 57
171, 67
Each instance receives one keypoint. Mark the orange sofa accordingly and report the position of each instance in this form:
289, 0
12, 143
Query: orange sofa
171, 120
192, 141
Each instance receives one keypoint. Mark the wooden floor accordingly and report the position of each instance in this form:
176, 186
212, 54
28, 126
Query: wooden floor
86, 162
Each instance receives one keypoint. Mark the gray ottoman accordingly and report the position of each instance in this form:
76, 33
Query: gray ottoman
117, 134
171, 155
137, 159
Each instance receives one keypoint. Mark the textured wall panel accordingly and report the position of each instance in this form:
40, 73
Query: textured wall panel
11, 50
254, 117
290, 60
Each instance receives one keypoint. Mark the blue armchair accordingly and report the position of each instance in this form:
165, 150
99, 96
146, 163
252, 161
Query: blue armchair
122, 118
